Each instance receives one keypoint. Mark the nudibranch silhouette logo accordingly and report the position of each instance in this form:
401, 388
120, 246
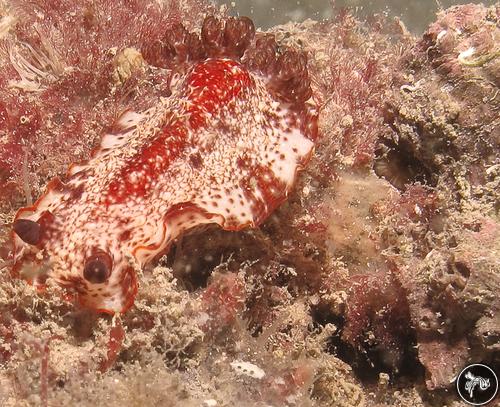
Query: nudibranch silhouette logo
477, 384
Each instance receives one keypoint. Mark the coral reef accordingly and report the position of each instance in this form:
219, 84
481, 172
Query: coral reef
373, 284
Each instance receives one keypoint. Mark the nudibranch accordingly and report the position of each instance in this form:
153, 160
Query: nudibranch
223, 148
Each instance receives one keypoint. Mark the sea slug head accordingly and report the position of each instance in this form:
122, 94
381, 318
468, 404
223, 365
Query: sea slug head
51, 239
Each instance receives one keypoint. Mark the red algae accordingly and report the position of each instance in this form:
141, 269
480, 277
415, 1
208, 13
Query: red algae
223, 301
60, 77
378, 320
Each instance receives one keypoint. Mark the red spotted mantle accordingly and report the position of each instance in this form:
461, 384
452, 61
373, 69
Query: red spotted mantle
219, 150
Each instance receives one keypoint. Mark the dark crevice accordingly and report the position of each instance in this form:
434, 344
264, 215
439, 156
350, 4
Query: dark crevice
368, 361
194, 257
398, 164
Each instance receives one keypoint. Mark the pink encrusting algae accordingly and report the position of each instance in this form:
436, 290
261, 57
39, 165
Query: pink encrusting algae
223, 148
